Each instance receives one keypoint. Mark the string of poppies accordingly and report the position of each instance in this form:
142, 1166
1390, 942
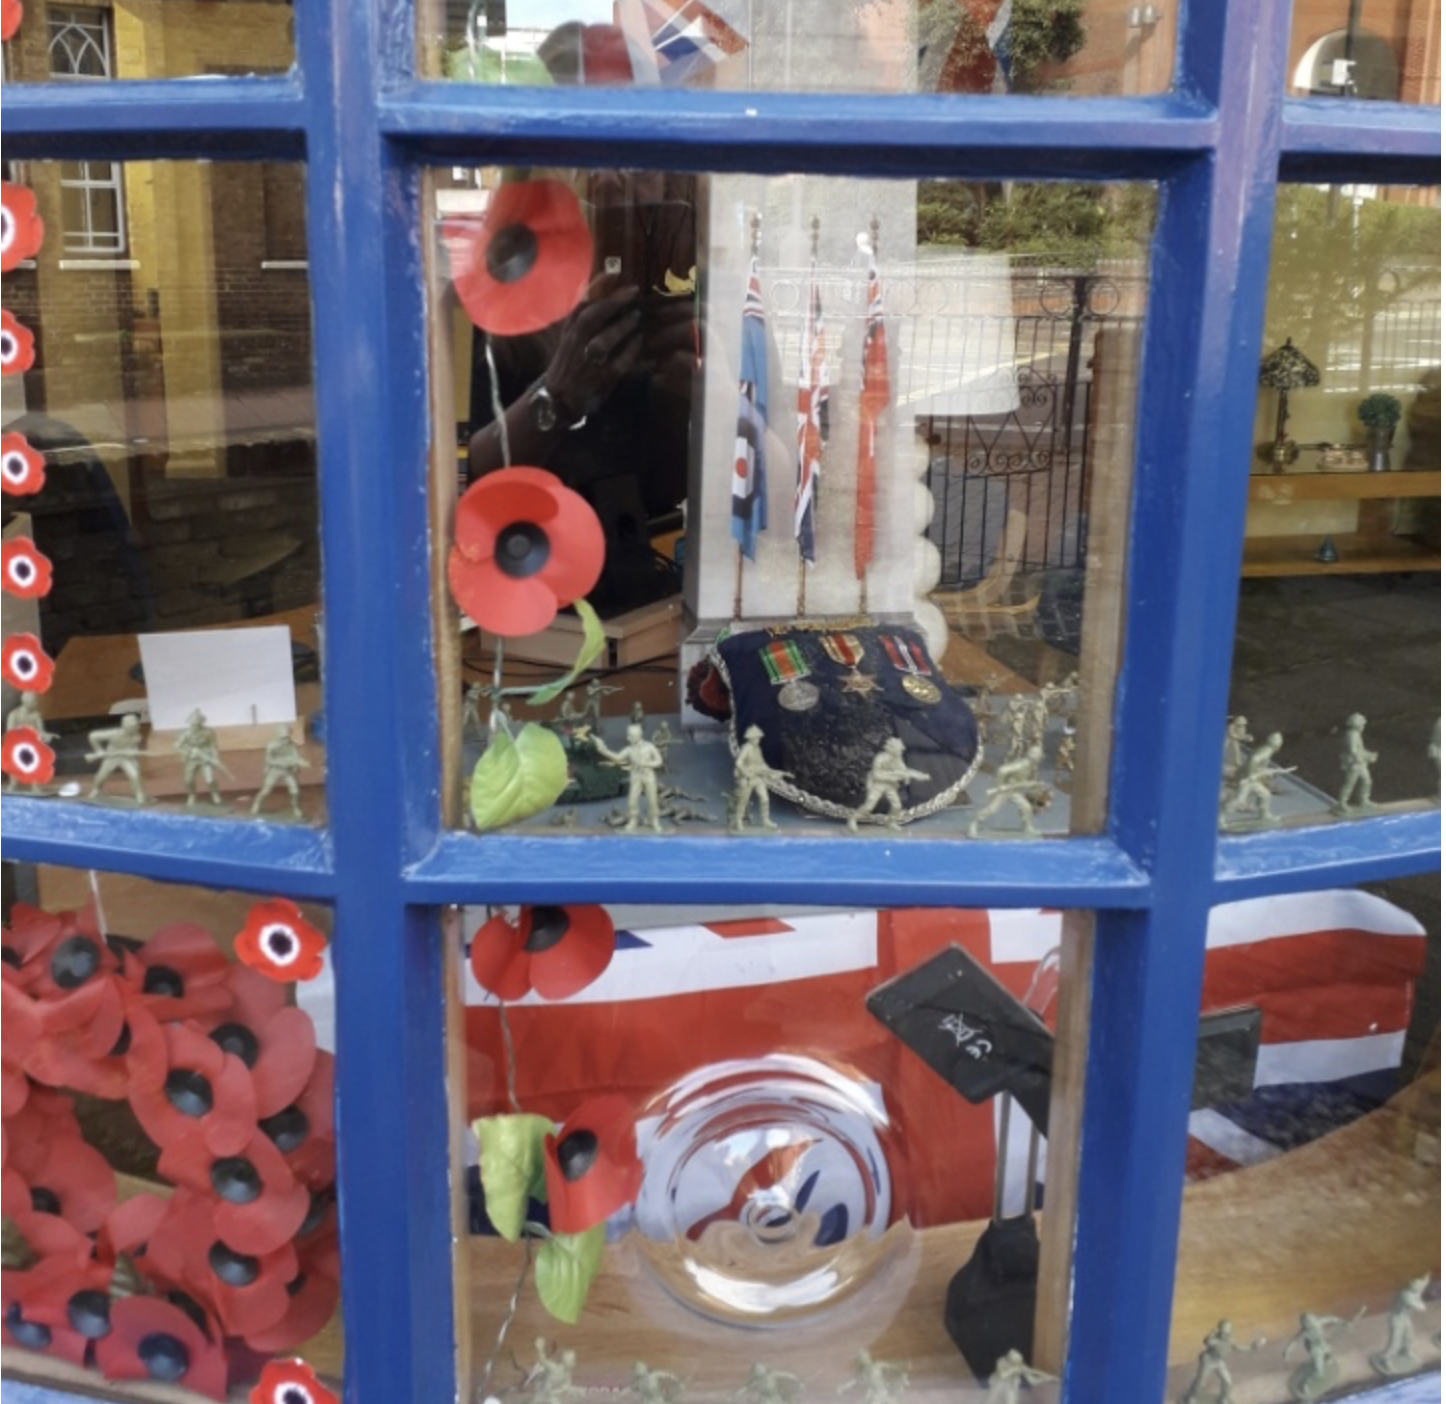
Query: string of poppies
237, 1260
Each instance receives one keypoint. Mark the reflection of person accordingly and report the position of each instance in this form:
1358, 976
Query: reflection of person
118, 748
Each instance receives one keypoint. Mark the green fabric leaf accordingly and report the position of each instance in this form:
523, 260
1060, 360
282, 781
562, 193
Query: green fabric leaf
593, 640
511, 1166
516, 778
566, 1266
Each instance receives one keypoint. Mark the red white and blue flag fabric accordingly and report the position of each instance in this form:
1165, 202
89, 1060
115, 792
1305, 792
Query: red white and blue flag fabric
750, 487
689, 37
873, 401
812, 419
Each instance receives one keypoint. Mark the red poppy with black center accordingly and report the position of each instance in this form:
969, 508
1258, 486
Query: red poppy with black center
88, 1054
21, 230
181, 973
314, 1292
152, 1339
59, 951
25, 572
11, 13
591, 1165
76, 1299
25, 664
257, 1205
556, 951
276, 1040
17, 346
46, 1116
305, 1131
183, 1082
25, 757
527, 263
24, 1327
278, 942
290, 1382
525, 546
22, 469
129, 1227
245, 1289
59, 1252
74, 1182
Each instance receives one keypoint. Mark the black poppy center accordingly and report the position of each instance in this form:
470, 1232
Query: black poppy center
75, 960
236, 1180
234, 1269
294, 1394
280, 943
44, 1201
89, 1313
123, 1043
9, 348
33, 1335
162, 980
27, 757
14, 467
287, 1129
576, 1155
315, 1213
10, 956
164, 1357
22, 571
549, 926
239, 1041
189, 1092
24, 664
511, 253
522, 550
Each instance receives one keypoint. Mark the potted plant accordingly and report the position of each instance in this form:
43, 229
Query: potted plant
1380, 413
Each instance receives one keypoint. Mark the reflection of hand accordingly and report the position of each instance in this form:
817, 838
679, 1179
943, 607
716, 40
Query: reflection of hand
599, 345
671, 341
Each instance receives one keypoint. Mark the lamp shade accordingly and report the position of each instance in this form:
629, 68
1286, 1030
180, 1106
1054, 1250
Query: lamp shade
1288, 368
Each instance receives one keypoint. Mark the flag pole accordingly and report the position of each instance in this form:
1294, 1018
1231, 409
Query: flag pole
874, 257
755, 243
802, 602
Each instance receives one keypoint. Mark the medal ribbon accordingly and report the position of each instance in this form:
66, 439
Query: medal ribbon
907, 657
783, 661
844, 649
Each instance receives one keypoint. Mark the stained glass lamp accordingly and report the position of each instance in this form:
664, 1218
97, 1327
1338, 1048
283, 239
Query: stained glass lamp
1284, 370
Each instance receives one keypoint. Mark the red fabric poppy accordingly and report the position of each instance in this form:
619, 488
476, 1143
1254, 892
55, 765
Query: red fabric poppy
23, 1325
74, 1182
290, 1382
11, 13
25, 664
525, 546
24, 571
129, 1227
527, 262
275, 1040
59, 951
258, 1204
77, 1299
278, 942
246, 1290
21, 230
22, 468
25, 758
46, 1116
17, 346
556, 951
181, 973
89, 1054
183, 1083
591, 1165
152, 1339
305, 1131
315, 1291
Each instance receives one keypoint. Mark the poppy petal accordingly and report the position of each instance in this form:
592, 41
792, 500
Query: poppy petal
21, 230
578, 547
499, 603
574, 962
287, 1056
17, 346
497, 501
498, 961
25, 664
155, 1339
22, 469
290, 1382
591, 1165
312, 1306
25, 758
279, 943
24, 572
11, 13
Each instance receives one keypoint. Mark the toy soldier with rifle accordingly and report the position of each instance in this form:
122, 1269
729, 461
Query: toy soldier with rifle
200, 758
886, 774
751, 774
118, 748
283, 760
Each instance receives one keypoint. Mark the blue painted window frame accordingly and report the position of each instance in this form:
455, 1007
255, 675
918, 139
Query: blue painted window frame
366, 126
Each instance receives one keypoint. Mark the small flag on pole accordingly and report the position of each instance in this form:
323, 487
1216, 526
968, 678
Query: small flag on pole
750, 489
689, 37
812, 419
874, 398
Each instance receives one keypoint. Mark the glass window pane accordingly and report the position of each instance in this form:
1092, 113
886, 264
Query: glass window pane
159, 419
1389, 53
150, 39
170, 1152
883, 46
1335, 694
966, 359
1309, 1250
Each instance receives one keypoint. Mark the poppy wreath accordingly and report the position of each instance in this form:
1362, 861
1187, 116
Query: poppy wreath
231, 1256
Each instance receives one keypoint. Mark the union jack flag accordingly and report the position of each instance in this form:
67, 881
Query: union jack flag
873, 401
689, 37
750, 488
812, 419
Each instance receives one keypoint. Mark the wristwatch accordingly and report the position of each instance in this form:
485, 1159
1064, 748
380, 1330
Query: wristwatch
543, 409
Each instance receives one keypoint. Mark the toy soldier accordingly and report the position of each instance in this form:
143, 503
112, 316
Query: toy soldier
642, 760
1397, 1358
751, 774
767, 1386
1320, 1369
1010, 1374
1356, 762
883, 1381
200, 758
887, 772
1016, 718
662, 739
1018, 785
655, 1386
1213, 1365
118, 748
1064, 755
283, 760
569, 711
27, 714
1036, 719
550, 1380
472, 710
1252, 792
592, 702
1237, 738
636, 714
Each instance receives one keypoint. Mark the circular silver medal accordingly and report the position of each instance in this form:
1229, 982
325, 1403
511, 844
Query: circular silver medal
798, 696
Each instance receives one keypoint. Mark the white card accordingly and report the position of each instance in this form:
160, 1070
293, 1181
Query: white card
236, 677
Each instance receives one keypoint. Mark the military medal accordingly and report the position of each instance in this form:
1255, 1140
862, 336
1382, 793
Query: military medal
783, 661
848, 652
910, 660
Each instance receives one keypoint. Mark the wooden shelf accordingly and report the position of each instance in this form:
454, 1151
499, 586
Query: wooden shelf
1357, 555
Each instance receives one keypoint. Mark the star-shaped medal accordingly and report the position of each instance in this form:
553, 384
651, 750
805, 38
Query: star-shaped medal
861, 683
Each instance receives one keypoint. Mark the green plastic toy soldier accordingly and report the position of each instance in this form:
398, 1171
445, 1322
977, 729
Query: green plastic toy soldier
550, 1380
1011, 1373
27, 714
1237, 738
655, 1386
642, 760
283, 760
1398, 1357
887, 772
1356, 762
118, 748
767, 1386
882, 1380
1252, 792
594, 693
751, 774
200, 754
1018, 785
472, 710
1320, 1370
1213, 1366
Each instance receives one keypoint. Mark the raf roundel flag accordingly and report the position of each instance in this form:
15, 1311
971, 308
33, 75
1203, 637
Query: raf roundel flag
750, 489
